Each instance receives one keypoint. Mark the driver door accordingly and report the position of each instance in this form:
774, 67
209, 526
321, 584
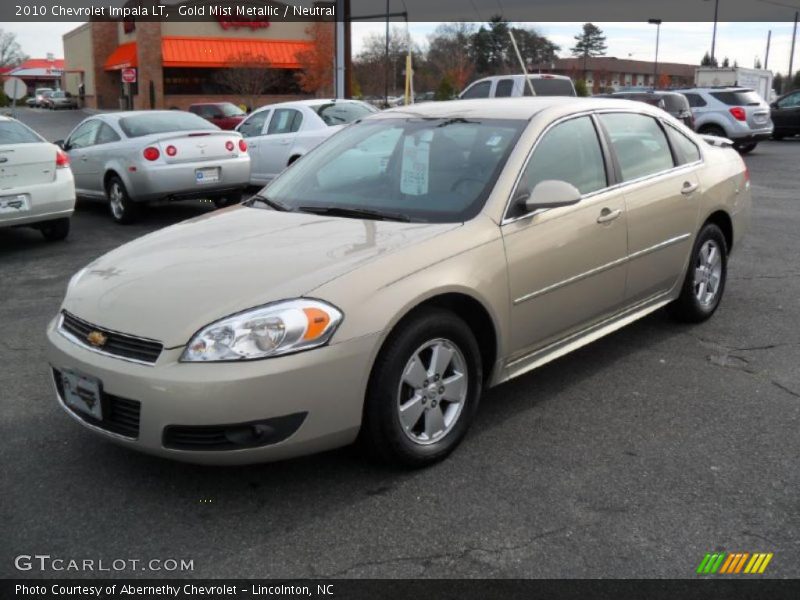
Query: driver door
567, 265
253, 129
276, 145
85, 169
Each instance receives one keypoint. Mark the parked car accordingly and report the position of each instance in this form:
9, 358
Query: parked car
59, 99
674, 103
224, 115
36, 185
736, 113
785, 112
501, 86
279, 134
377, 286
39, 96
135, 157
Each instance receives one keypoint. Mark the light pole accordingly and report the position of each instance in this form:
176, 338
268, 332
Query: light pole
714, 35
657, 23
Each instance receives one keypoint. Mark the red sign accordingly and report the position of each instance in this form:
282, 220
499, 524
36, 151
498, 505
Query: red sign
228, 23
129, 75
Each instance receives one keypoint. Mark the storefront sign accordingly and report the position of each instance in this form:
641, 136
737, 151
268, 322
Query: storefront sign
229, 23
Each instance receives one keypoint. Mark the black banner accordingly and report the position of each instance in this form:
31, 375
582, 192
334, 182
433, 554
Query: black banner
384, 589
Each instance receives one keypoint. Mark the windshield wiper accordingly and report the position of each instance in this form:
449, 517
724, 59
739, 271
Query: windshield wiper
273, 204
357, 213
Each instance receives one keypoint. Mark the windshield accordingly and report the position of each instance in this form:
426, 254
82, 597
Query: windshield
426, 170
340, 113
150, 123
231, 110
12, 132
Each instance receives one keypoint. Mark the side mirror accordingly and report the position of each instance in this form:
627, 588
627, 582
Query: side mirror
773, 105
60, 144
550, 193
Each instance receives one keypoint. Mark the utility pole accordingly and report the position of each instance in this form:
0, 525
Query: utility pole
791, 55
386, 63
714, 35
657, 23
766, 56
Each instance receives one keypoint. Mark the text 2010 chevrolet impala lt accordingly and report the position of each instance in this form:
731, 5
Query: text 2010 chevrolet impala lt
378, 285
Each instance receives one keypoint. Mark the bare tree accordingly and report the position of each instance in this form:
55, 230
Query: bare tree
248, 76
11, 53
316, 76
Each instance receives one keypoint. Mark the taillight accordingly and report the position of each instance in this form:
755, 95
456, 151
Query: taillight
151, 153
229, 146
746, 175
738, 113
170, 150
242, 146
62, 160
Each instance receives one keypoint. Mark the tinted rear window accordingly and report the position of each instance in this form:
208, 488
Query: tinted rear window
738, 98
551, 87
148, 124
695, 100
12, 132
339, 113
675, 102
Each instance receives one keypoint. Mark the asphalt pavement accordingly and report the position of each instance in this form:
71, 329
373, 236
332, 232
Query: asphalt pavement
632, 457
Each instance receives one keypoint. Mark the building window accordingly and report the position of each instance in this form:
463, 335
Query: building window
194, 81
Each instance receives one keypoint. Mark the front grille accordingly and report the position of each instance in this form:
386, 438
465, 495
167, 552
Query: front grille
120, 415
234, 436
117, 344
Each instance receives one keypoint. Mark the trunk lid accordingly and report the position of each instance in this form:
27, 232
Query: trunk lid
26, 164
197, 146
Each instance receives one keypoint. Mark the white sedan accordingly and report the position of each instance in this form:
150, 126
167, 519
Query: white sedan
36, 184
279, 134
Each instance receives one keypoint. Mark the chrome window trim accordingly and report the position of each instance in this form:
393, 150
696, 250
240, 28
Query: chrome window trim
601, 268
76, 340
617, 186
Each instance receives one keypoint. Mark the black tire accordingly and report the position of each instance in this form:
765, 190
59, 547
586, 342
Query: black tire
55, 230
124, 211
746, 148
383, 436
228, 200
713, 130
688, 307
777, 136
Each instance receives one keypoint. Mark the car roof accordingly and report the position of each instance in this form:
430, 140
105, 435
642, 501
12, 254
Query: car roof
210, 103
309, 103
510, 108
116, 116
521, 76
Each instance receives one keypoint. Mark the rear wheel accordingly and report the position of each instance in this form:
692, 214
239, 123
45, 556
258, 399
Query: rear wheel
424, 390
228, 200
705, 279
56, 230
713, 130
123, 209
777, 136
746, 148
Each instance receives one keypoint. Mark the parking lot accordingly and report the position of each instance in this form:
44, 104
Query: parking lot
632, 457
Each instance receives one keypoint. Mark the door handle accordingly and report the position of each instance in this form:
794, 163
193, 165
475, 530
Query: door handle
84, 157
607, 215
284, 142
688, 188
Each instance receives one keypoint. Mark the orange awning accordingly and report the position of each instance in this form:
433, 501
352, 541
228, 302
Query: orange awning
226, 52
122, 58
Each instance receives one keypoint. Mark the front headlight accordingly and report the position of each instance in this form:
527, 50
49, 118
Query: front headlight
271, 330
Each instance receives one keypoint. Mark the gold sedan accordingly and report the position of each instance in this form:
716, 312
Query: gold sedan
378, 285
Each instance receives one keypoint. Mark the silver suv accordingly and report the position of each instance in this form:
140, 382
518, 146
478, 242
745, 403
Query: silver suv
736, 113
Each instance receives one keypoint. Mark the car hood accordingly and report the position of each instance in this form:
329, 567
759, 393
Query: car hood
167, 285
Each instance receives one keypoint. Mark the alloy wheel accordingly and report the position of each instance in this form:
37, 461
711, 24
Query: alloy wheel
708, 273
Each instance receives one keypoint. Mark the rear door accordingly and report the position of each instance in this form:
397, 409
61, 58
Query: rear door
662, 193
94, 157
276, 145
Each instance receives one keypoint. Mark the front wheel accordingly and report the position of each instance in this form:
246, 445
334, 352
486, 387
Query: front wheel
714, 130
123, 209
705, 279
423, 391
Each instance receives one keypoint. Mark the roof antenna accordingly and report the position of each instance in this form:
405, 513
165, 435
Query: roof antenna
521, 62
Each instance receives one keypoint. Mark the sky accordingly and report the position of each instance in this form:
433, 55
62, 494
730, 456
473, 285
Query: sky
680, 42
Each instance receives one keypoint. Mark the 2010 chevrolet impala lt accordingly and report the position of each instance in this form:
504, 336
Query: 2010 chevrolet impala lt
376, 286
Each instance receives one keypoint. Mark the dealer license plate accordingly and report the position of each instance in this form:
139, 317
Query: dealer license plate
207, 175
14, 204
82, 393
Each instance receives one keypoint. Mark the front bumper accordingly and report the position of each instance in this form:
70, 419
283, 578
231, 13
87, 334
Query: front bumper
178, 181
327, 384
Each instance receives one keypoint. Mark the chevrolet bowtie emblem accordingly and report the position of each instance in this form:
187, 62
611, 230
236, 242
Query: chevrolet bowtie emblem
96, 339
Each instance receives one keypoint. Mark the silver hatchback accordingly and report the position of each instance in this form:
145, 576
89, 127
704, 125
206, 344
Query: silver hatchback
736, 113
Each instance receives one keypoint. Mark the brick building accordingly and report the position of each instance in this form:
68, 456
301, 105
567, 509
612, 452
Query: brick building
603, 72
178, 63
